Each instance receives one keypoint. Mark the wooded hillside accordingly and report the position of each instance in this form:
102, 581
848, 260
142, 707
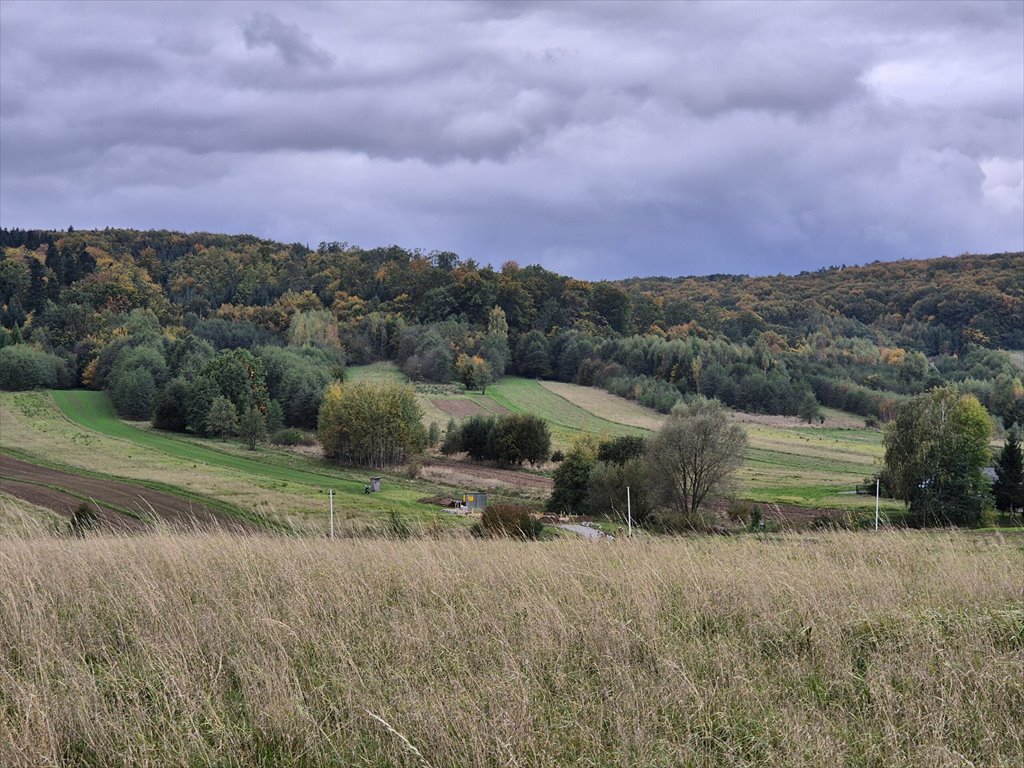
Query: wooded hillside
857, 338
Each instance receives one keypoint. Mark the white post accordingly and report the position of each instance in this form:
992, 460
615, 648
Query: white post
877, 482
331, 496
629, 513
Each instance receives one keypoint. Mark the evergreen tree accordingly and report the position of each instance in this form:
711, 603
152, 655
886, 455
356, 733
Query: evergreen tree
1008, 487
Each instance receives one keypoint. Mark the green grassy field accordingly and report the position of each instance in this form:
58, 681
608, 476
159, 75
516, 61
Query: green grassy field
77, 430
510, 393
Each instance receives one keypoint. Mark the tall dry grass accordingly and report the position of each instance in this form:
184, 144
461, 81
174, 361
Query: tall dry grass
188, 650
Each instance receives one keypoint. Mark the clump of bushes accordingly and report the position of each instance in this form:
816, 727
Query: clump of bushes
292, 436
23, 367
512, 520
370, 424
741, 511
513, 438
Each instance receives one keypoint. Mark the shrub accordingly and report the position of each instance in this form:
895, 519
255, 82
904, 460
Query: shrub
292, 436
22, 367
512, 520
740, 511
557, 457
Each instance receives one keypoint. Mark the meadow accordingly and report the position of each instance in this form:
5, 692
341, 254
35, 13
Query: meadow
787, 462
896, 649
77, 431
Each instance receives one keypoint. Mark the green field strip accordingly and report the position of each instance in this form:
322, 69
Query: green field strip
93, 411
800, 461
528, 396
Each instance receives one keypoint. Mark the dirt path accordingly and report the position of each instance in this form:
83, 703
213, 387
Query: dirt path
63, 492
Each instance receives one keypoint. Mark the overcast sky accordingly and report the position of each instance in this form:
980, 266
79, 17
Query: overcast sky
599, 139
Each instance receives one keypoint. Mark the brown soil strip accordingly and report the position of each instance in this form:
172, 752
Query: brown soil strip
497, 476
29, 481
460, 408
65, 504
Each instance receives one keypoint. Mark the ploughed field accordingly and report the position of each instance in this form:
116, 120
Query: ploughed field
901, 648
118, 504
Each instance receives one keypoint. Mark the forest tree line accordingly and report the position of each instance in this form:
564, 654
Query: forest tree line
862, 339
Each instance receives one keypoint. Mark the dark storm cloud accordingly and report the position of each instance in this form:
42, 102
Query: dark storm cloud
602, 139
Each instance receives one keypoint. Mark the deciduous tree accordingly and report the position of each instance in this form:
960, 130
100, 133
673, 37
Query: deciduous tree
692, 457
935, 450
371, 424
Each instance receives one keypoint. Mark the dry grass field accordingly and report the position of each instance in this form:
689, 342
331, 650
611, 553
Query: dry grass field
896, 649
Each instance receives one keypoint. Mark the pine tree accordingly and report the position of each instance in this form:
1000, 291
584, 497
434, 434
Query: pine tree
1008, 487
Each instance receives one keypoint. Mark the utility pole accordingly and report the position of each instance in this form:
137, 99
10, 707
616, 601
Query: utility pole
877, 485
629, 512
331, 496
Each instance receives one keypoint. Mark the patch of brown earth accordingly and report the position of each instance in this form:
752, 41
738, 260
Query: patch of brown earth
481, 477
65, 504
459, 409
63, 492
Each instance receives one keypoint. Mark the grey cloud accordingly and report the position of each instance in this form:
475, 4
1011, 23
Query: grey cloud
294, 46
605, 139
